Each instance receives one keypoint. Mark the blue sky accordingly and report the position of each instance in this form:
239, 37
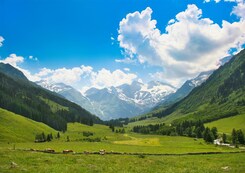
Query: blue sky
62, 34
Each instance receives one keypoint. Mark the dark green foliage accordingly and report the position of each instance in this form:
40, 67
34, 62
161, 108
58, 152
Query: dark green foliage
120, 130
67, 139
87, 134
43, 138
240, 137
49, 138
91, 139
208, 135
117, 122
153, 129
112, 128
234, 137
186, 128
58, 135
25, 98
215, 132
237, 136
224, 138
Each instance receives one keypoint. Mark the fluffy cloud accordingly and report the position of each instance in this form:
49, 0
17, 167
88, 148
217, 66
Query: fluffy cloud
1, 41
13, 60
191, 44
16, 61
104, 78
82, 77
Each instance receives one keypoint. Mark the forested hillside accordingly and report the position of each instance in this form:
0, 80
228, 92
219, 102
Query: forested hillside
222, 95
25, 98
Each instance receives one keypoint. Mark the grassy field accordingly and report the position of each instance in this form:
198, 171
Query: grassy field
129, 142
226, 125
16, 128
43, 162
13, 145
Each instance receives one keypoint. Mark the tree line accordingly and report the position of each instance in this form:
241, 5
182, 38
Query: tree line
190, 129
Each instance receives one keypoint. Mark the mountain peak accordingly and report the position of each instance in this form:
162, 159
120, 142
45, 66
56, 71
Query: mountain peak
12, 72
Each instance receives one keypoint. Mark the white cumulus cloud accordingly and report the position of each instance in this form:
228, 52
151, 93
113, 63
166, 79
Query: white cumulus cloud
81, 77
16, 61
13, 60
105, 78
190, 44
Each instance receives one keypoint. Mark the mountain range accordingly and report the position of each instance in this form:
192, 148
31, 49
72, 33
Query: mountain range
221, 95
127, 100
123, 101
19, 95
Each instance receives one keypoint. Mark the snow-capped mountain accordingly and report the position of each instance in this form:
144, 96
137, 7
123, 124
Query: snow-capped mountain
115, 102
186, 88
129, 99
69, 93
146, 95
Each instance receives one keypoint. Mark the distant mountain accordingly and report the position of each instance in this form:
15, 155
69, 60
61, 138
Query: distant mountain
188, 86
69, 93
128, 100
222, 95
115, 102
19, 95
185, 89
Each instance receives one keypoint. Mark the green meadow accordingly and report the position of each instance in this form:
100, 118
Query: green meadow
226, 125
133, 149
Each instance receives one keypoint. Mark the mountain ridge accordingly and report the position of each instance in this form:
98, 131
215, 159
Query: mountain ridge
30, 100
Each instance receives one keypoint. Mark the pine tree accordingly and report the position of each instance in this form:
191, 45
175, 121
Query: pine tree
234, 137
49, 138
43, 137
215, 132
240, 137
224, 138
208, 135
58, 135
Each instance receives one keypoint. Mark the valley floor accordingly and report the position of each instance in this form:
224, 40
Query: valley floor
15, 154
22, 161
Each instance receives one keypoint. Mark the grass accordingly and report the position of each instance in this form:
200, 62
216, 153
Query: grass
42, 162
16, 128
129, 142
18, 133
226, 125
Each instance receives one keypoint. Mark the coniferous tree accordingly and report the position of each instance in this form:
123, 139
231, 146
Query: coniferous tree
208, 135
224, 138
43, 136
215, 132
58, 135
234, 137
240, 137
48, 137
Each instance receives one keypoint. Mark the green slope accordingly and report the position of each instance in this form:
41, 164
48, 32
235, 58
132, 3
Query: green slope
225, 125
25, 98
16, 128
222, 95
